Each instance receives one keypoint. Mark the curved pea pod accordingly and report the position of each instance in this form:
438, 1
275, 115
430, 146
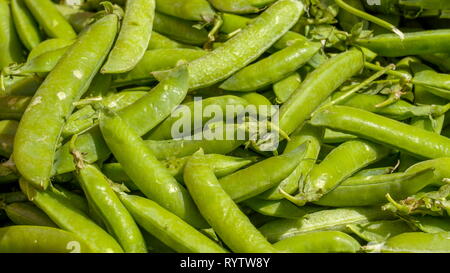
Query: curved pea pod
374, 171
379, 231
79, 121
256, 99
333, 137
10, 46
250, 42
25, 24
167, 227
433, 82
193, 10
271, 69
21, 85
341, 163
279, 208
23, 213
240, 6
439, 167
59, 90
159, 41
133, 38
36, 239
239, 187
114, 214
150, 175
442, 60
319, 242
372, 190
284, 88
179, 30
79, 19
414, 43
13, 107
7, 132
49, 45
318, 86
333, 219
414, 242
428, 224
224, 216
50, 19
416, 141
123, 99
71, 219
187, 114
156, 60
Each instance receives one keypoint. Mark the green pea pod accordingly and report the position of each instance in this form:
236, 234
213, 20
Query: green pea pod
317, 86
26, 26
71, 198
158, 41
168, 227
271, 69
319, 242
179, 30
156, 60
71, 219
12, 197
35, 239
374, 171
284, 88
240, 6
185, 114
429, 224
193, 10
380, 231
333, 219
13, 107
279, 208
414, 43
112, 211
239, 187
433, 82
146, 171
43, 63
24, 213
50, 19
79, 121
414, 242
133, 38
10, 47
333, 137
79, 19
224, 216
416, 141
7, 132
34, 146
49, 45
250, 43
21, 85
351, 157
347, 20
442, 60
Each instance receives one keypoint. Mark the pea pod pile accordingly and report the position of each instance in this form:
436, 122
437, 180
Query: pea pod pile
218, 126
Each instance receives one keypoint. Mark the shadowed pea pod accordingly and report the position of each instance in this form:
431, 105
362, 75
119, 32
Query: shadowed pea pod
240, 6
50, 19
379, 231
341, 163
69, 218
149, 175
413, 140
77, 18
271, 69
158, 41
167, 227
318, 86
13, 107
319, 242
24, 213
179, 30
156, 60
279, 208
433, 82
333, 219
224, 216
26, 26
10, 46
193, 10
187, 114
414, 43
113, 213
20, 85
133, 38
239, 187
36, 239
414, 242
249, 43
34, 145
8, 130
284, 88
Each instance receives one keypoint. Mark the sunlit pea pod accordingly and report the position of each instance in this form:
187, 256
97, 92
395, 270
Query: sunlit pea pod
416, 141
50, 19
284, 88
379, 231
271, 69
24, 213
279, 208
71, 219
193, 10
49, 45
26, 26
240, 6
10, 46
133, 38
414, 242
32, 141
334, 137
37, 239
319, 242
332, 219
250, 42
434, 82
